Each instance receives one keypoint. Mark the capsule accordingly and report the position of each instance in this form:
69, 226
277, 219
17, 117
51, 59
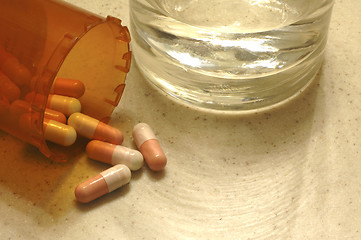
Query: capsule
92, 128
19, 107
4, 105
68, 87
51, 114
59, 133
35, 98
11, 67
114, 154
149, 146
8, 88
103, 183
54, 131
64, 104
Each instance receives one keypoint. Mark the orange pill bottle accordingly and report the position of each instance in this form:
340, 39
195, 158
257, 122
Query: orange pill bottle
41, 40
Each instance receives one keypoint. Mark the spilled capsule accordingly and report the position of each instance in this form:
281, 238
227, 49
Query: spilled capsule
103, 183
92, 128
59, 133
114, 154
149, 146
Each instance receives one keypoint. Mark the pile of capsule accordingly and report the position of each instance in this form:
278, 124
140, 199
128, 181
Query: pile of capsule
63, 122
105, 144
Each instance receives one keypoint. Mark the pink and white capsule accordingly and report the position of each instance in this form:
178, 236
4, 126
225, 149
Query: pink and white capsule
103, 183
149, 146
114, 154
92, 128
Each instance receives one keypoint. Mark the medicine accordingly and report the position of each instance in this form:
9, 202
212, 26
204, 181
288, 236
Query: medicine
103, 183
59, 133
149, 146
64, 104
12, 68
19, 107
4, 105
92, 128
8, 89
51, 114
68, 87
54, 131
114, 154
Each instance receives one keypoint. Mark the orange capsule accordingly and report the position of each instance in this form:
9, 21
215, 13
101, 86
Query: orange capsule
12, 68
114, 154
19, 107
51, 114
36, 99
103, 183
4, 105
149, 146
68, 87
92, 128
8, 89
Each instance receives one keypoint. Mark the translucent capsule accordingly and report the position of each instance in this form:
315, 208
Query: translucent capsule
36, 99
18, 107
68, 87
92, 128
59, 133
103, 183
149, 146
12, 68
114, 154
64, 104
8, 89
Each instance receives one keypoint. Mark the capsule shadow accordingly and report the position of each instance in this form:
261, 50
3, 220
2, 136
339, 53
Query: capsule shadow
136, 175
155, 176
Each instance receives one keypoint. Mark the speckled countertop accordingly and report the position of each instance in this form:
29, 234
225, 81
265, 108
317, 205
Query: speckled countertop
293, 172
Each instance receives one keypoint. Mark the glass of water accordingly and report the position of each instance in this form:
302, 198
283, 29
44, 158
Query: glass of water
232, 55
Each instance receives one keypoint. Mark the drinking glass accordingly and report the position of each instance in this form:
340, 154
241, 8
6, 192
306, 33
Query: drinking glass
232, 55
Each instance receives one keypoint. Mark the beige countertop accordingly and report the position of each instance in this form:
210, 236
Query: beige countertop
289, 173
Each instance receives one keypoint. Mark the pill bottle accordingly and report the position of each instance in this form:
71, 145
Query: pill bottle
42, 40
